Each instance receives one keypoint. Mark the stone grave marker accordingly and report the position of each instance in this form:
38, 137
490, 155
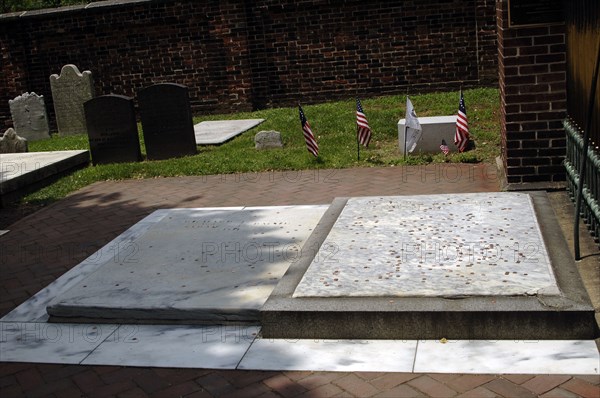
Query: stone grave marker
167, 121
69, 91
28, 113
10, 142
434, 130
268, 140
112, 129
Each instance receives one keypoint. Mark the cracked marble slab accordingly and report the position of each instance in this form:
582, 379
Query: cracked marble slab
207, 347
41, 342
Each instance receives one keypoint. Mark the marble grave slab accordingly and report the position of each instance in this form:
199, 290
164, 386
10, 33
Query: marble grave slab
481, 244
462, 266
18, 171
194, 266
219, 131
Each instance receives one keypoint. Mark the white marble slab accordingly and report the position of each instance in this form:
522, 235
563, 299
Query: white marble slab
18, 170
40, 342
213, 264
17, 164
330, 355
506, 356
34, 309
433, 246
208, 347
218, 131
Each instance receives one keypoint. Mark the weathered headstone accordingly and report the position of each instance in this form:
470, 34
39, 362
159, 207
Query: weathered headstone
268, 139
69, 91
112, 129
167, 121
10, 142
28, 113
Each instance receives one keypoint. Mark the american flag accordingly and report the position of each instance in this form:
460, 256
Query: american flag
444, 147
461, 137
363, 131
311, 143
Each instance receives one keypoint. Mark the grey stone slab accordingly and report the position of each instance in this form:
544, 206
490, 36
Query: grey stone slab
22, 172
219, 131
70, 90
28, 113
434, 130
568, 315
479, 244
195, 266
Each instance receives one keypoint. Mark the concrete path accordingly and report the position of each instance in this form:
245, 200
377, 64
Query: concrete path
44, 245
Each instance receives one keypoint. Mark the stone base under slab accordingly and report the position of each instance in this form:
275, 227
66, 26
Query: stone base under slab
305, 306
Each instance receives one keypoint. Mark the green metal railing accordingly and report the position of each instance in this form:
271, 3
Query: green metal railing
590, 209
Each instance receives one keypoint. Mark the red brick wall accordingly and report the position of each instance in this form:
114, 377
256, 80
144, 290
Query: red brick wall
240, 55
532, 80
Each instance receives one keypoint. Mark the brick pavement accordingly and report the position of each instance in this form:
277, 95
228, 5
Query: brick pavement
43, 245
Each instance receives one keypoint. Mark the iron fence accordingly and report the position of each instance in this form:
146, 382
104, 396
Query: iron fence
590, 209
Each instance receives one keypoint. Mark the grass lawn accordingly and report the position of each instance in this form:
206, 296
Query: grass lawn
334, 125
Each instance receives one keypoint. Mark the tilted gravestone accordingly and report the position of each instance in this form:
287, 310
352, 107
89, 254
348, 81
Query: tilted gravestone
69, 91
167, 123
28, 113
112, 129
10, 142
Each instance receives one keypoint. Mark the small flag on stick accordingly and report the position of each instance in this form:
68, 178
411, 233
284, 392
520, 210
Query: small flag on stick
309, 137
363, 129
461, 137
444, 147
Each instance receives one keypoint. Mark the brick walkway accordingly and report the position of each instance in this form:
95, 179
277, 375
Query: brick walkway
42, 246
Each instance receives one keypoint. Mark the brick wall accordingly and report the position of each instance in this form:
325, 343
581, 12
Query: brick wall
239, 55
532, 80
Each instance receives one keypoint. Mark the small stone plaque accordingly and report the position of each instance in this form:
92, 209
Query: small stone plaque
28, 113
112, 129
167, 121
69, 92
268, 140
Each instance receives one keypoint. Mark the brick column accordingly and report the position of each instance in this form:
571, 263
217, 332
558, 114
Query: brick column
532, 80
